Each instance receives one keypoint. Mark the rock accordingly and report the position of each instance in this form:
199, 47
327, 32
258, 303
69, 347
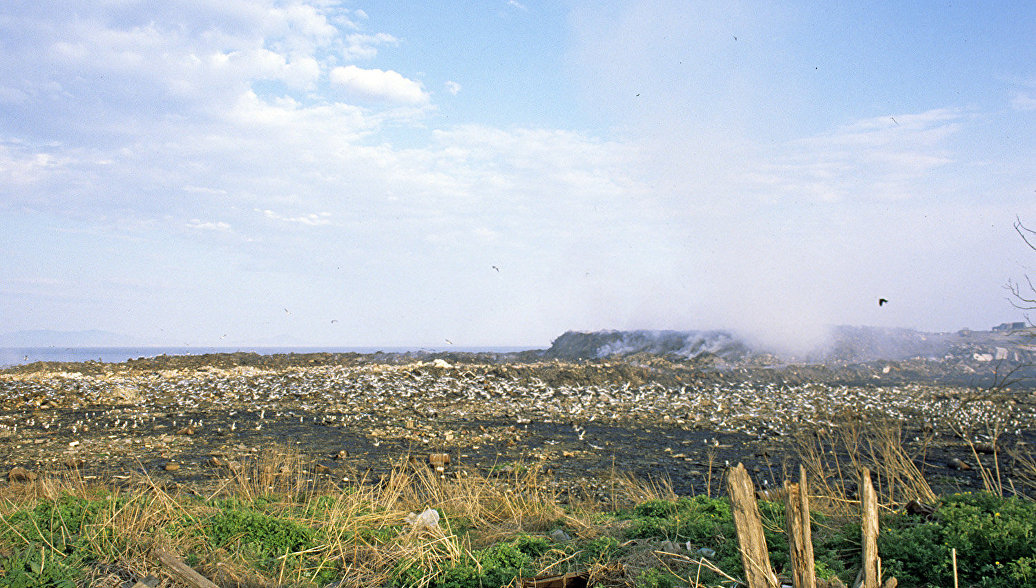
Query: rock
429, 519
74, 463
125, 395
958, 464
560, 536
215, 462
441, 364
172, 467
987, 448
20, 474
342, 454
321, 469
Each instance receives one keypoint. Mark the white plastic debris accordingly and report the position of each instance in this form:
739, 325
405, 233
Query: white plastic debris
429, 519
441, 363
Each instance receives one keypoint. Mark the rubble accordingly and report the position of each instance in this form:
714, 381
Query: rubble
654, 414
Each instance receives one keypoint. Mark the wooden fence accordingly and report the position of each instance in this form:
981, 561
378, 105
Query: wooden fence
756, 558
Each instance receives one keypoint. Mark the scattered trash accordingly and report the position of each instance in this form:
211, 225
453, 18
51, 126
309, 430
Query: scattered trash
560, 536
439, 461
441, 364
707, 552
427, 520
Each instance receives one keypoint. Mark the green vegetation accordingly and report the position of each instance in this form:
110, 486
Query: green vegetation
491, 531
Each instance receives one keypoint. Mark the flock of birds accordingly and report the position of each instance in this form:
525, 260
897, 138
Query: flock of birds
361, 396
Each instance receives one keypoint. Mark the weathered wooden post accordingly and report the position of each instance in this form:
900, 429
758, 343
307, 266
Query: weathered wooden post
800, 539
754, 556
869, 525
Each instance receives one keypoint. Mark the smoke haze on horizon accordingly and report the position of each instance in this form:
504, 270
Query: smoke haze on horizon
362, 174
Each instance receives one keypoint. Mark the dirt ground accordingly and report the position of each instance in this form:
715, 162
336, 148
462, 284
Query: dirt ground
188, 424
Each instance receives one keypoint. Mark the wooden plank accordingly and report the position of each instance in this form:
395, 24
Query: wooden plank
182, 571
800, 538
754, 556
869, 526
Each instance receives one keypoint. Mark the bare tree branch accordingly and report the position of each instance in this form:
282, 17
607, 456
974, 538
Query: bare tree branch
1022, 230
1020, 299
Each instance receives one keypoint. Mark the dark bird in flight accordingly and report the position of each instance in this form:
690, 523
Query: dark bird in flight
882, 301
494, 267
333, 321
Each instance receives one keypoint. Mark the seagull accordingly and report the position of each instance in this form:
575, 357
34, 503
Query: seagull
333, 321
882, 301
494, 267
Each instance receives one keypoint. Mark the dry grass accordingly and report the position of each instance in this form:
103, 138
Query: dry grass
834, 458
364, 529
364, 538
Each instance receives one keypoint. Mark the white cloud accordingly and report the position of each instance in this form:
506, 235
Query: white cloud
1024, 101
452, 87
22, 166
376, 84
365, 46
312, 220
880, 158
208, 225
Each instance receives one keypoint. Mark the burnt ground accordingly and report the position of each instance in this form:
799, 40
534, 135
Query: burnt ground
577, 456
183, 422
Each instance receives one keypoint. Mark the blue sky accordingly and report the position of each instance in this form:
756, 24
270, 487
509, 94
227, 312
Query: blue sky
495, 173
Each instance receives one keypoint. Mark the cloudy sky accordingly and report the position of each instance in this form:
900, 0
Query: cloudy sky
497, 172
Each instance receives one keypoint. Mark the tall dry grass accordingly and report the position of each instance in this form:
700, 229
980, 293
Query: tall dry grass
833, 459
363, 525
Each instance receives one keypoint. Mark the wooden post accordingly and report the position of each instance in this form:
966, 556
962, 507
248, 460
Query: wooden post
182, 571
754, 556
869, 525
800, 539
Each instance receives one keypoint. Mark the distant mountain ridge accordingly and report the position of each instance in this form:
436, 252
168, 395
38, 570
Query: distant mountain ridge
53, 338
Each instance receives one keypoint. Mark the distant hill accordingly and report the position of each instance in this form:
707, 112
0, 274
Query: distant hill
575, 345
51, 338
847, 344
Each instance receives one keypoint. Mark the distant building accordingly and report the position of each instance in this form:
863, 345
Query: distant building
1008, 327
965, 332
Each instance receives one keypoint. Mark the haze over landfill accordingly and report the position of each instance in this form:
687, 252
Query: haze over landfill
497, 173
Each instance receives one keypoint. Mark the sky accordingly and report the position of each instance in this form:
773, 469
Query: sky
321, 172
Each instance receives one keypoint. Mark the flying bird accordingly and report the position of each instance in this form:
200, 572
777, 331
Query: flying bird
494, 267
333, 321
882, 301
